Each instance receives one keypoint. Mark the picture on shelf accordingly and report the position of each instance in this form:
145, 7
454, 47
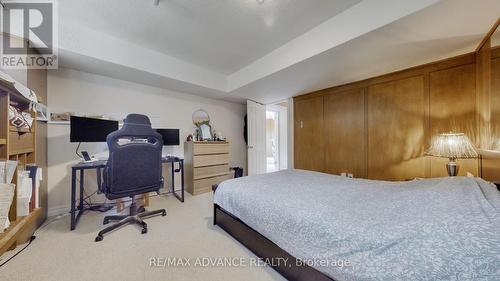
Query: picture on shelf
61, 116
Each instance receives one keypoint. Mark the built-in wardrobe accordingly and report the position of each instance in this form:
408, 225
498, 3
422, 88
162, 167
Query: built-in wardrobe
380, 128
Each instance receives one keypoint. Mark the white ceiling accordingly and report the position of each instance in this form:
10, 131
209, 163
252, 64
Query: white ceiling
223, 48
444, 30
222, 35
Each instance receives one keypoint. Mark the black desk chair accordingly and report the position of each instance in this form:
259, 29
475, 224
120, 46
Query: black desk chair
134, 167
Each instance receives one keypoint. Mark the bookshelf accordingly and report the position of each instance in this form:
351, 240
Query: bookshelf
18, 145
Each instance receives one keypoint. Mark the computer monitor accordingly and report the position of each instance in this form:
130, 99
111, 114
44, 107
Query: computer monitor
85, 129
170, 136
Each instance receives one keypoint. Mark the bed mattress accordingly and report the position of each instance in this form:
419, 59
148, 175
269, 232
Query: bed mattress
356, 229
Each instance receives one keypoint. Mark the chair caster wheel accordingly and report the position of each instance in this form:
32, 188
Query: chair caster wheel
164, 213
105, 221
144, 231
98, 238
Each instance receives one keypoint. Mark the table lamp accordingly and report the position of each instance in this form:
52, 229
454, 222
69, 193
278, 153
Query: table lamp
452, 146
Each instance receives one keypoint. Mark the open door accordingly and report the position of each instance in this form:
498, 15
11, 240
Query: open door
256, 118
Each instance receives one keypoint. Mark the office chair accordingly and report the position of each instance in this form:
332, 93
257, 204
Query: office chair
134, 167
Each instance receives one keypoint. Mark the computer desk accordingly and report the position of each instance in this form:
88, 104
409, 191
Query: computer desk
101, 164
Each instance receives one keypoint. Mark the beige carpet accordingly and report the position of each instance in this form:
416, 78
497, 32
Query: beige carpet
186, 231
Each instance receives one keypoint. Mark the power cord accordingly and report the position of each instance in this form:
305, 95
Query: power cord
130, 200
89, 206
76, 151
33, 237
24, 248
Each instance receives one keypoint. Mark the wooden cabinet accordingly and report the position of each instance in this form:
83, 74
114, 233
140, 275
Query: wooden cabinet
17, 145
490, 166
396, 129
453, 108
206, 164
345, 133
380, 127
308, 134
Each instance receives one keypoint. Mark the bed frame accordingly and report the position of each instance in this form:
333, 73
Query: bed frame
264, 248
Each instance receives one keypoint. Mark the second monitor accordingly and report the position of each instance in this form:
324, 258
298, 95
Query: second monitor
170, 136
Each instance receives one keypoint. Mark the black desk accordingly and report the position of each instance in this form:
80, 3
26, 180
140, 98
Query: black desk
98, 166
81, 167
173, 160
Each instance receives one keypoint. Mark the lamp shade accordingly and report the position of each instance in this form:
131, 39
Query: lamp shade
453, 146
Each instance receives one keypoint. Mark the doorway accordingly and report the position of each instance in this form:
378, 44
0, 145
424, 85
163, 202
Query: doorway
276, 136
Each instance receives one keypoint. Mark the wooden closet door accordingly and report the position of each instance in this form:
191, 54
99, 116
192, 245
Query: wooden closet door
309, 134
453, 108
345, 139
490, 166
396, 129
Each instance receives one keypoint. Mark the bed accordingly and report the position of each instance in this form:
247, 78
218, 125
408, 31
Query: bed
335, 228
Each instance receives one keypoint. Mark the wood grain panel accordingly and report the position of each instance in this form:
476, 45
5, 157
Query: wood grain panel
208, 148
205, 185
309, 134
396, 129
450, 103
495, 99
210, 171
210, 160
452, 108
483, 94
20, 143
345, 137
491, 167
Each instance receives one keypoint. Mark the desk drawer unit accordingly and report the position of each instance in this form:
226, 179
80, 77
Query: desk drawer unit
206, 164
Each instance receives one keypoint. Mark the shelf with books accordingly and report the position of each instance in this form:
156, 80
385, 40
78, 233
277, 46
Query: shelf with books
18, 144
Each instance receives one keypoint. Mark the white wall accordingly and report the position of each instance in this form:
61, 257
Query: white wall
283, 138
290, 142
85, 93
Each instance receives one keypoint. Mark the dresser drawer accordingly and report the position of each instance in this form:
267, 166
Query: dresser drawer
211, 148
205, 185
210, 171
210, 160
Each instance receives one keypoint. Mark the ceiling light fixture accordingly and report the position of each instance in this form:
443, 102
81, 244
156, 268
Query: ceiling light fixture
260, 1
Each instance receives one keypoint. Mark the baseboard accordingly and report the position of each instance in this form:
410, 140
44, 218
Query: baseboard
56, 211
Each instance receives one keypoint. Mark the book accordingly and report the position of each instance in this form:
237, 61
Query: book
6, 196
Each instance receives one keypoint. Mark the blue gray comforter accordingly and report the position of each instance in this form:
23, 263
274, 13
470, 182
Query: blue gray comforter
355, 229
